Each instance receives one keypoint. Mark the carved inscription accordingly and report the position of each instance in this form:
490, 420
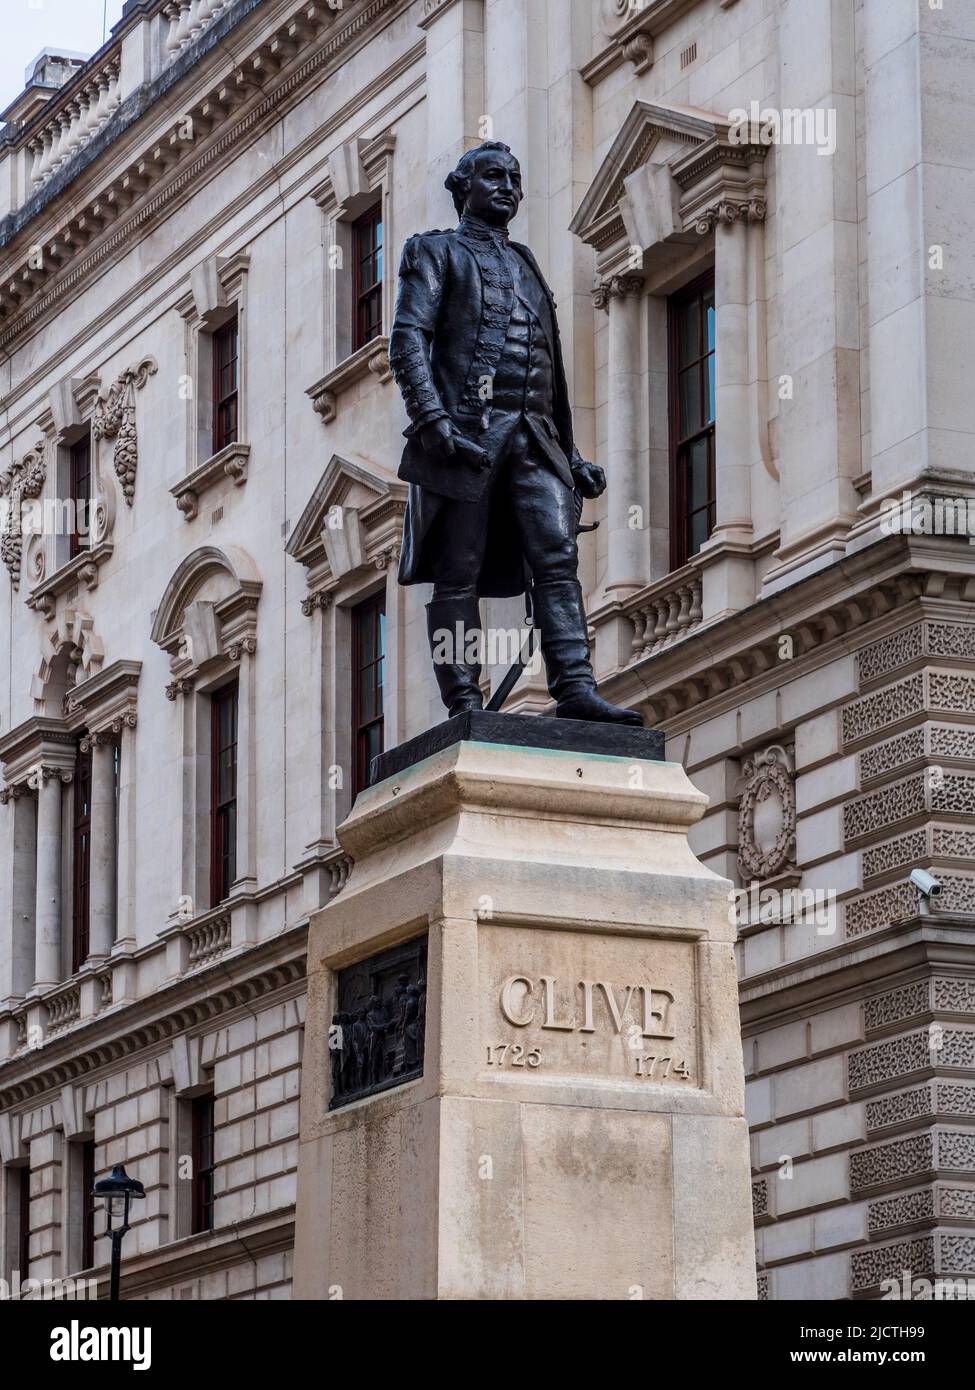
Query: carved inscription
627, 1011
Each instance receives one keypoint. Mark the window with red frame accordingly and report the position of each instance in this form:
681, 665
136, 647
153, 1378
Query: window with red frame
81, 860
691, 379
226, 384
223, 792
203, 1163
79, 486
368, 660
367, 251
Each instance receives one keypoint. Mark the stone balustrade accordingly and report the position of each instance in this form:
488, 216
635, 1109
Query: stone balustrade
209, 939
665, 612
90, 107
187, 19
63, 1008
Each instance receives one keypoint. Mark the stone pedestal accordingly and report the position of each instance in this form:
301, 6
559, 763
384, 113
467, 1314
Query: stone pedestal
577, 1131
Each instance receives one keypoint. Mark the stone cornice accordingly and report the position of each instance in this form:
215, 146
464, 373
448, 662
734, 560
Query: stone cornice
633, 41
39, 741
713, 664
147, 187
231, 983
230, 462
106, 702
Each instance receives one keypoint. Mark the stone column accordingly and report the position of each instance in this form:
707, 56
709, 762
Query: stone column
393, 686
188, 900
103, 886
48, 782
246, 879
733, 427
627, 544
125, 848
17, 893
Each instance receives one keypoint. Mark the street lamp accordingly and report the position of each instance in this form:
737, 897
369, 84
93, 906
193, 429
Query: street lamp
118, 1189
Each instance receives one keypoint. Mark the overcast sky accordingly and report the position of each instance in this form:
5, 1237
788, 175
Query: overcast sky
30, 25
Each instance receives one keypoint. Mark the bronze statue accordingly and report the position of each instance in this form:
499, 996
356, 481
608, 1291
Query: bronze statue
496, 481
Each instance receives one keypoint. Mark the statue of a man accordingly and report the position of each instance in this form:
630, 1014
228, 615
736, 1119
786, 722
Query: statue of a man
490, 459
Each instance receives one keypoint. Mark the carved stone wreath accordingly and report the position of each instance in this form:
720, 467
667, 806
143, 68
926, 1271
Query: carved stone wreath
767, 774
114, 418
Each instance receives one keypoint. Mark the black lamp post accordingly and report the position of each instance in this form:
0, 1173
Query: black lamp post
118, 1189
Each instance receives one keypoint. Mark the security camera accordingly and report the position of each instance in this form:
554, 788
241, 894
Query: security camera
926, 883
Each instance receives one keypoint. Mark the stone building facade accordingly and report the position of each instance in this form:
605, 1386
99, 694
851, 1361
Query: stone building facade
766, 324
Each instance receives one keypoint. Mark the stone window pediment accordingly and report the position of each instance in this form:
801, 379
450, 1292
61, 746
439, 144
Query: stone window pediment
352, 521
669, 175
208, 614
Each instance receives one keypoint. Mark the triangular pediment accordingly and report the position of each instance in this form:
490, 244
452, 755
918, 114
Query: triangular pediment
368, 489
651, 131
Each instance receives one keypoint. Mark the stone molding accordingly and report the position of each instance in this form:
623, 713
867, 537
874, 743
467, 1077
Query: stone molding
106, 703
230, 462
370, 360
154, 1019
155, 174
352, 522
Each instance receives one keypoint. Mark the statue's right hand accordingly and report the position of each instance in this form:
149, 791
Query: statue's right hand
437, 439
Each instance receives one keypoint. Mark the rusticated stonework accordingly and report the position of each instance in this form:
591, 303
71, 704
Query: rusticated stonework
955, 1098
959, 893
958, 1202
952, 639
872, 911
951, 692
950, 741
869, 1268
893, 1161
892, 854
760, 1199
951, 843
903, 1210
884, 808
898, 1059
896, 1006
954, 995
872, 713
891, 755
900, 1108
890, 652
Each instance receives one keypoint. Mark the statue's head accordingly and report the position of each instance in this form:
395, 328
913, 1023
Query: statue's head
487, 183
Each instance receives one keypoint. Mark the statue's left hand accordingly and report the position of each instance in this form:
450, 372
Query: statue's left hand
589, 478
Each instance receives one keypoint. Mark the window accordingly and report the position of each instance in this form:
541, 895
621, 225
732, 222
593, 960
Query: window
692, 486
88, 1203
79, 485
81, 860
368, 654
226, 384
203, 1164
23, 1219
223, 793
367, 253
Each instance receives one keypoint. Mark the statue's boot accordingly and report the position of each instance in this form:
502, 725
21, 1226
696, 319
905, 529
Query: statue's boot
561, 620
450, 621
